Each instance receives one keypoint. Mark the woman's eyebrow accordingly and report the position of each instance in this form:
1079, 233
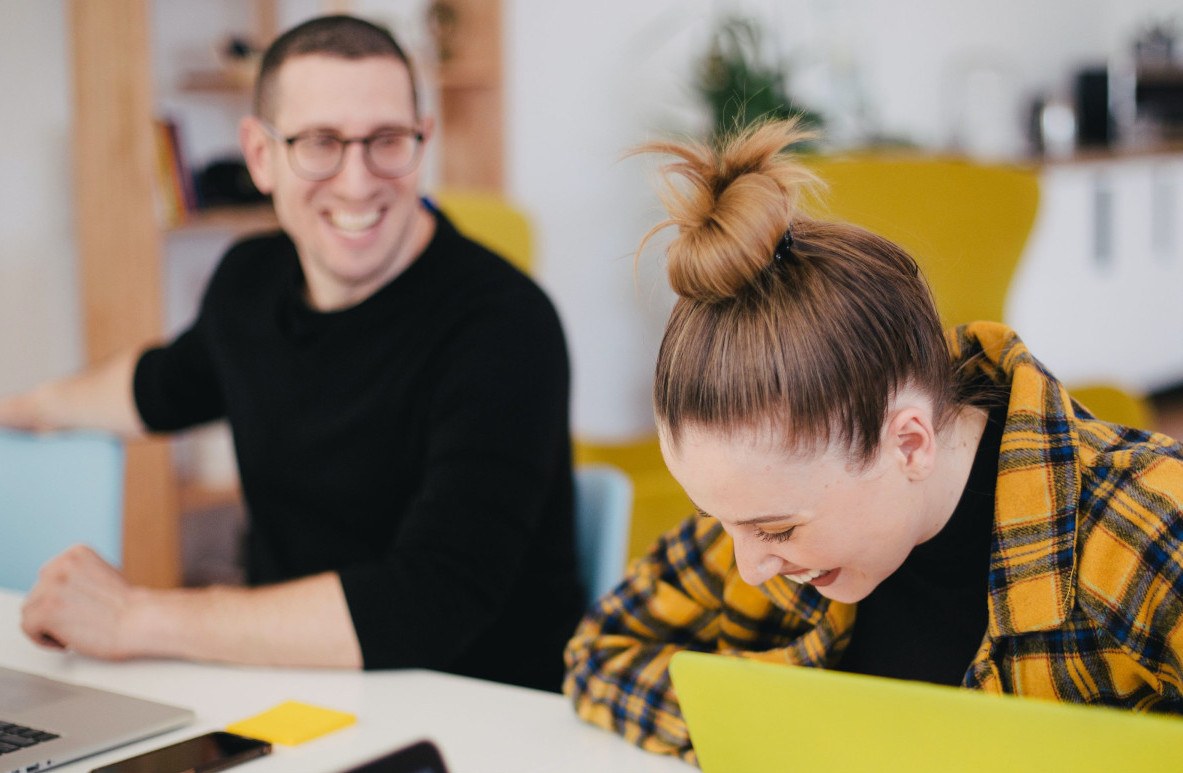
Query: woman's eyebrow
759, 519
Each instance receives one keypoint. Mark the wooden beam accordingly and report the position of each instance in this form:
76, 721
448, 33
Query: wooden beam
471, 103
120, 247
266, 22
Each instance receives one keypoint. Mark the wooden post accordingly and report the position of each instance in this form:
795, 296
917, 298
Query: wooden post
119, 247
471, 105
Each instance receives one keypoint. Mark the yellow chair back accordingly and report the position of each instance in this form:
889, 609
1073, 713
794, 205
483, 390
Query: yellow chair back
490, 219
1111, 403
965, 223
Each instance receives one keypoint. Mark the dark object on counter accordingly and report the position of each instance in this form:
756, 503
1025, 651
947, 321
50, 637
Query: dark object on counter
1095, 122
226, 182
1159, 97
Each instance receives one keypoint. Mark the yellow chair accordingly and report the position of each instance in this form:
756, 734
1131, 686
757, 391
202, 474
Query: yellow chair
490, 219
966, 224
1111, 403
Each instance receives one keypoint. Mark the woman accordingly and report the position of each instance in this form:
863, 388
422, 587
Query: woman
874, 496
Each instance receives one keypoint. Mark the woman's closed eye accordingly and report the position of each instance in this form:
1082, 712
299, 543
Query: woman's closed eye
775, 536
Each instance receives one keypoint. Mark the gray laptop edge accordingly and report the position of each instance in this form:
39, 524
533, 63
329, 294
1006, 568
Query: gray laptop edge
85, 720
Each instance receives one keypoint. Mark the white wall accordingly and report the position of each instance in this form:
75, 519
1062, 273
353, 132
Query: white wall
582, 89
585, 82
39, 321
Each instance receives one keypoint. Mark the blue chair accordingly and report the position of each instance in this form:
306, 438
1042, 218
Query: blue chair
603, 509
57, 490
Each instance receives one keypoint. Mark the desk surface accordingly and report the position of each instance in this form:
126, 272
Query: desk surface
481, 727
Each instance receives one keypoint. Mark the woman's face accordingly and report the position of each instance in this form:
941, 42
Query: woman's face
812, 518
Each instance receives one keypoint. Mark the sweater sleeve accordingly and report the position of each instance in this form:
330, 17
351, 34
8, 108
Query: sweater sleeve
176, 386
497, 448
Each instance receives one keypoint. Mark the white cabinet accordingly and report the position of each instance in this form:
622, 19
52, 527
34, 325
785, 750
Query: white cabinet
1098, 295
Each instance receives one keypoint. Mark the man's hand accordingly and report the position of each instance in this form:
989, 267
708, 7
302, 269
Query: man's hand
19, 412
81, 603
97, 398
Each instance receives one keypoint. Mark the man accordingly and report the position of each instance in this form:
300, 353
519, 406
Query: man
398, 399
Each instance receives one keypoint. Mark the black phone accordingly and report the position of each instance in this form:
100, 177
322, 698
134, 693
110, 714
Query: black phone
420, 757
204, 754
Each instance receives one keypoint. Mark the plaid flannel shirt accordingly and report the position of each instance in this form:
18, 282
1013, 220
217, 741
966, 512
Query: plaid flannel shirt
1086, 577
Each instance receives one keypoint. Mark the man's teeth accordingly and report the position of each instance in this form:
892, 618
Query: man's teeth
349, 221
806, 576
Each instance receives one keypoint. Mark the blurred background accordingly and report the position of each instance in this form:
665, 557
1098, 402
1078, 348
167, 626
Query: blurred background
540, 100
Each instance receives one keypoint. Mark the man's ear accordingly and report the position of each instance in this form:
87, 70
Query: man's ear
257, 152
911, 437
427, 128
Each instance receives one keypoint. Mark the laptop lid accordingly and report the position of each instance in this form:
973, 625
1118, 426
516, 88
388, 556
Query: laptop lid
82, 720
746, 716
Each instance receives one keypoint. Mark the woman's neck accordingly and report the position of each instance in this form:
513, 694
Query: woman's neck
958, 446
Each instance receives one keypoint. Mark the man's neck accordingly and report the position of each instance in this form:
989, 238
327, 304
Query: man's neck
328, 294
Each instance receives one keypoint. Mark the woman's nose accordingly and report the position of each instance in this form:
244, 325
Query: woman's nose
757, 566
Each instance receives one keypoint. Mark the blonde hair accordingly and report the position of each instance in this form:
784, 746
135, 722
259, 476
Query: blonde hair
812, 342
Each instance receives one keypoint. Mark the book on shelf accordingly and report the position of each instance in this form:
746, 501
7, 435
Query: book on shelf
176, 196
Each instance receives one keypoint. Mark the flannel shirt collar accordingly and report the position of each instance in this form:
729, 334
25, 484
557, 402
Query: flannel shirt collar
1033, 553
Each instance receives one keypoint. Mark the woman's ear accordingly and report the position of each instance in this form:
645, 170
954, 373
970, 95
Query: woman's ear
911, 437
257, 152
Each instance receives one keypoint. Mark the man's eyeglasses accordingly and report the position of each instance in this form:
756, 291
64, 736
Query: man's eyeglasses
319, 155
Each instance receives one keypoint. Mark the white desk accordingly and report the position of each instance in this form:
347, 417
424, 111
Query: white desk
481, 727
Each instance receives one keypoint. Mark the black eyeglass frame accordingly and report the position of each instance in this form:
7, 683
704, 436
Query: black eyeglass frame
343, 144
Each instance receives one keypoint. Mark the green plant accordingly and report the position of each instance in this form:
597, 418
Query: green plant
738, 84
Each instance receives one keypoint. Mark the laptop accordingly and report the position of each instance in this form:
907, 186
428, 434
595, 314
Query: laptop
746, 716
45, 722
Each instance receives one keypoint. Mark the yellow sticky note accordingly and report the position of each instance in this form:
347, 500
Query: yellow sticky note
292, 722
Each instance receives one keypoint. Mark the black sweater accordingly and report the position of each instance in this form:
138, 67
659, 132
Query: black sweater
416, 443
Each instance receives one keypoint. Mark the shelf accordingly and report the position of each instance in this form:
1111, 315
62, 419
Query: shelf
241, 219
218, 82
468, 77
196, 497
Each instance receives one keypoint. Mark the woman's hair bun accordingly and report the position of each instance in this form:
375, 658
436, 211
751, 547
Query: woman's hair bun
731, 203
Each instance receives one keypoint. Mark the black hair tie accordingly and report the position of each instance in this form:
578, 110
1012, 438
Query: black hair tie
784, 248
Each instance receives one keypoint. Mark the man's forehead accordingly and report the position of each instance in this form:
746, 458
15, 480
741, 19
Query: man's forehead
322, 87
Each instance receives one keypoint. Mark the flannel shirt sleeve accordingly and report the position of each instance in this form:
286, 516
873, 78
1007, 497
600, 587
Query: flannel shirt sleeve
1131, 570
683, 595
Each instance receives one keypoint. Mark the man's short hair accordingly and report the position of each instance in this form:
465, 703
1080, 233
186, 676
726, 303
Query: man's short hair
346, 37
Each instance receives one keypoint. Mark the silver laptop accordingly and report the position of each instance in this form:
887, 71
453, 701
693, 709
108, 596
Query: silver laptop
44, 722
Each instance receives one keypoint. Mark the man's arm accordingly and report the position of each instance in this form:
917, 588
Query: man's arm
82, 603
97, 398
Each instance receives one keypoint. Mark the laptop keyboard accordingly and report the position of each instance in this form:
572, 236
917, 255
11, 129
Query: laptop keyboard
16, 737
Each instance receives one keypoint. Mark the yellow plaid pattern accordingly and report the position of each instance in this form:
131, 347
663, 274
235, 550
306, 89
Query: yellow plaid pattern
1086, 576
